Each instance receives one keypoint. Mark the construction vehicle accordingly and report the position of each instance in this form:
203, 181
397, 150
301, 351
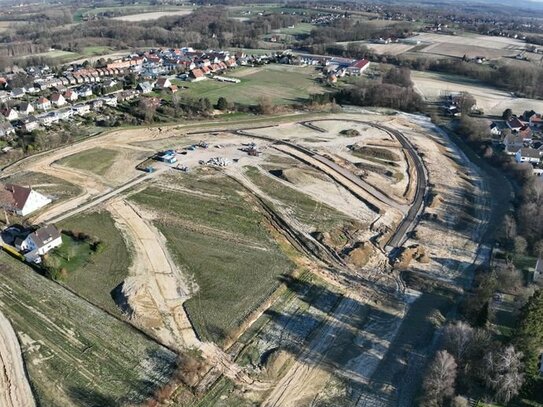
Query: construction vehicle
182, 168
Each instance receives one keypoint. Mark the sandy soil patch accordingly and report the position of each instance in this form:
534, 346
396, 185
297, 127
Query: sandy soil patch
471, 51
14, 387
156, 288
152, 16
484, 41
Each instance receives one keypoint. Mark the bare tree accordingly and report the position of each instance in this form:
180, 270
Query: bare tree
440, 379
458, 338
503, 372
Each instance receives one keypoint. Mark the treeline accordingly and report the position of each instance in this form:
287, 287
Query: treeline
346, 29
207, 27
394, 91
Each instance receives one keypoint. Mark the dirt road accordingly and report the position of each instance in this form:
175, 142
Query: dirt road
156, 288
14, 388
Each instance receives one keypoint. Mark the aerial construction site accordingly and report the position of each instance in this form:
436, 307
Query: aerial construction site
300, 261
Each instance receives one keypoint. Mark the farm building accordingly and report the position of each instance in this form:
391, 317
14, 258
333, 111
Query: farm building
22, 200
358, 67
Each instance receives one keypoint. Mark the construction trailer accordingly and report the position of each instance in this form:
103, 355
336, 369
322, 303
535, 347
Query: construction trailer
167, 156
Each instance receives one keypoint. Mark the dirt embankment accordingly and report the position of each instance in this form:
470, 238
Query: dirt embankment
14, 388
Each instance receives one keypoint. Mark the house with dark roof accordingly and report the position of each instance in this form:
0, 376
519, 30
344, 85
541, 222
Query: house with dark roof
527, 155
22, 200
144, 88
6, 130
26, 108
515, 124
163, 83
39, 243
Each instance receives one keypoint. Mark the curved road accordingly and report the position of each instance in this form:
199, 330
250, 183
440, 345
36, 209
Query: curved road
411, 215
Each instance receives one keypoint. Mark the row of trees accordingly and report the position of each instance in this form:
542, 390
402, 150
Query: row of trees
469, 360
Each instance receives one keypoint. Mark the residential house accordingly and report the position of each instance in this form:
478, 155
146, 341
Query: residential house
65, 113
526, 133
29, 124
18, 92
6, 130
40, 243
197, 75
527, 155
512, 143
81, 109
26, 108
97, 104
84, 91
22, 200
4, 96
536, 120
163, 83
71, 95
10, 114
58, 100
110, 100
43, 103
48, 119
495, 130
515, 124
144, 88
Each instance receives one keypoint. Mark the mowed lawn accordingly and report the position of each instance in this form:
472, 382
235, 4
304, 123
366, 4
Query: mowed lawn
98, 274
221, 240
76, 354
96, 160
283, 84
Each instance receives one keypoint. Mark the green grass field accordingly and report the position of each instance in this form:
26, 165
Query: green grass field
76, 354
297, 83
96, 160
222, 241
98, 274
298, 29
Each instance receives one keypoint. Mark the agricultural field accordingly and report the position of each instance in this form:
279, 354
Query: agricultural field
493, 101
65, 341
297, 84
96, 274
218, 238
95, 160
472, 45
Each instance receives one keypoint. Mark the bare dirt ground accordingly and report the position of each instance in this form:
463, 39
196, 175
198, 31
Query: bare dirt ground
472, 40
152, 15
432, 85
14, 387
356, 336
156, 288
